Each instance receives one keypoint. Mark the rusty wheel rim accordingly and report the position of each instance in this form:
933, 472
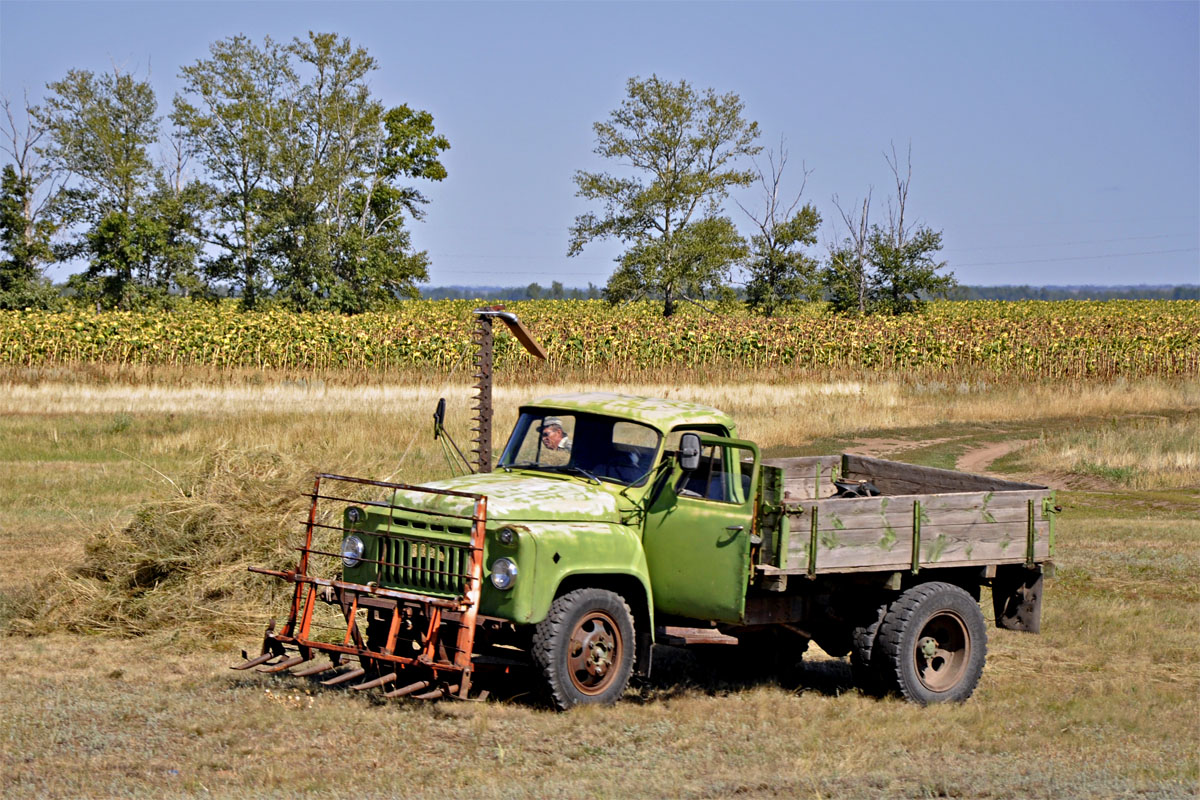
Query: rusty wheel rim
942, 651
594, 653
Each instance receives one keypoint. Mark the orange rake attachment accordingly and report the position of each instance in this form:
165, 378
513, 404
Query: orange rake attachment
420, 645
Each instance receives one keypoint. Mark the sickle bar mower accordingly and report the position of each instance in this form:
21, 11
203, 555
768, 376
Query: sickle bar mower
414, 643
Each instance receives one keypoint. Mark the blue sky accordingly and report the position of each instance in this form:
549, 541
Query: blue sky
1053, 143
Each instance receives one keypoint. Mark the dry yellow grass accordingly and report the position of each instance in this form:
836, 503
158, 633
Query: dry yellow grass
1105, 703
1140, 452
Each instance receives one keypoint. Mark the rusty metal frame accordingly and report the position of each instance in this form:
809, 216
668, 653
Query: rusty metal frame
296, 631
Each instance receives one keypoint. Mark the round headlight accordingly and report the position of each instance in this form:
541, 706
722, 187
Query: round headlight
506, 536
354, 514
504, 572
352, 550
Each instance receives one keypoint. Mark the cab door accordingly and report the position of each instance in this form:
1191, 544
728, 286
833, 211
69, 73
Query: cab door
697, 532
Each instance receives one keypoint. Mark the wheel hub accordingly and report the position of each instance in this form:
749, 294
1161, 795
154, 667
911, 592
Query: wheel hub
942, 651
592, 650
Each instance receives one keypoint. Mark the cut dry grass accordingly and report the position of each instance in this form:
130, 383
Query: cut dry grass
179, 566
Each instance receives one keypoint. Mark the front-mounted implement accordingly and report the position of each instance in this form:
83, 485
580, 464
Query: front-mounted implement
417, 642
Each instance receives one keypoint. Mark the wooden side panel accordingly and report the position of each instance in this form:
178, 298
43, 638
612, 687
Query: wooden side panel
807, 477
896, 478
953, 508
876, 533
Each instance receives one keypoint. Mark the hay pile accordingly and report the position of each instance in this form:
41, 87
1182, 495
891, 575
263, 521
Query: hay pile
179, 567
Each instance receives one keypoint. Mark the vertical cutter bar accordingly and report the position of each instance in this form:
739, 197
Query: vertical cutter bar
474, 585
483, 408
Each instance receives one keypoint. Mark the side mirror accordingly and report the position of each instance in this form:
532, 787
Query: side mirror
689, 452
439, 418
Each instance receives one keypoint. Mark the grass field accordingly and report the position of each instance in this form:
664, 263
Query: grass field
1104, 703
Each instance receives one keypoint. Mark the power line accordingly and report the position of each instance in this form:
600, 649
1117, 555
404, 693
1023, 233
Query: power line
1076, 258
1066, 244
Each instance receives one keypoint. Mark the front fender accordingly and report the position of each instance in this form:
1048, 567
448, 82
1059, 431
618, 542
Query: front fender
548, 553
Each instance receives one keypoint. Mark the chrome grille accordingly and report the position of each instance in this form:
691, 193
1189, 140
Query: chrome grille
424, 565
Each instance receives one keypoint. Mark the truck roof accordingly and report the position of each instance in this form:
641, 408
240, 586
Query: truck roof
657, 412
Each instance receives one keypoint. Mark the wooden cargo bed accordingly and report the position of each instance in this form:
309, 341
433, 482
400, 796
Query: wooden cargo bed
923, 518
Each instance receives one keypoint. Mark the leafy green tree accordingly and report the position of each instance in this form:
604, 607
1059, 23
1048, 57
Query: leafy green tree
343, 197
778, 269
906, 269
233, 111
138, 236
308, 172
684, 149
100, 127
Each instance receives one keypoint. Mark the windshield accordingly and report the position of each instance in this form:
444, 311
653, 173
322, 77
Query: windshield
594, 447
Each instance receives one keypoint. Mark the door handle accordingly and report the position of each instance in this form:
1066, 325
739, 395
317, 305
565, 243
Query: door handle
735, 528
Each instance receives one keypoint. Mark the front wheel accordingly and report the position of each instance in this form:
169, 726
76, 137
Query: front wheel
934, 640
584, 648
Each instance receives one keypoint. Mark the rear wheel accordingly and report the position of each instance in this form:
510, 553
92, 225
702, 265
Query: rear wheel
584, 648
869, 669
934, 640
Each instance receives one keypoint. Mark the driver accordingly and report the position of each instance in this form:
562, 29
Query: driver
553, 435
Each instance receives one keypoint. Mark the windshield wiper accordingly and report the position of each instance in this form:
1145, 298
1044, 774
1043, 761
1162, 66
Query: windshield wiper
574, 470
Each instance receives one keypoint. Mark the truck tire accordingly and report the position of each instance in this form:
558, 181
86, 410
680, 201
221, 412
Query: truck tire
868, 668
934, 641
584, 648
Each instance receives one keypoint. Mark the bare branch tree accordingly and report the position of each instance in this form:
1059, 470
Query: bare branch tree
778, 269
853, 252
899, 233
20, 142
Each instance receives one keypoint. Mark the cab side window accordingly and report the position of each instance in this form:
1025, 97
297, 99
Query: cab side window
724, 473
709, 480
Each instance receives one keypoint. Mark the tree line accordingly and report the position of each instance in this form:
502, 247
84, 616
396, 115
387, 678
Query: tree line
303, 194
276, 177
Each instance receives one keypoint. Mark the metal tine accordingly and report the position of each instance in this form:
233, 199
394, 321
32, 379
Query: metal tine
380, 681
407, 690
314, 670
358, 672
282, 665
254, 662
433, 694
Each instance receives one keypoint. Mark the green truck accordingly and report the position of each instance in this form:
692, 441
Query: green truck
613, 522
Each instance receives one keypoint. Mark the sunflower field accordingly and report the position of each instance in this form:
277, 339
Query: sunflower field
1018, 339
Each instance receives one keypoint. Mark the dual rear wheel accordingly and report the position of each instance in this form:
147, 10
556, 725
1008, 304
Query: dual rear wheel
929, 645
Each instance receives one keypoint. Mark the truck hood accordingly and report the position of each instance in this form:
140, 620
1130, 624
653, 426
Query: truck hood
518, 497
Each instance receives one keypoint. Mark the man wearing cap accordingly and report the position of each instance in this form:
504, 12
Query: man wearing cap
553, 435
